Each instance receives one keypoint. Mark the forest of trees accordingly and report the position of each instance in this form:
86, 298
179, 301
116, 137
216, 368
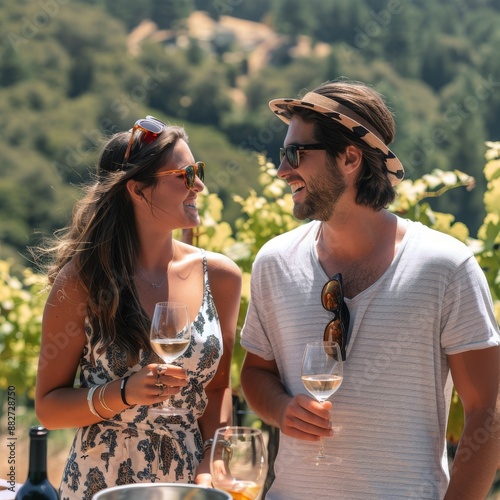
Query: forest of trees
68, 77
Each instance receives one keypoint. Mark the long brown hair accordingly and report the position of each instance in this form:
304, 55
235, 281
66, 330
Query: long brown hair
102, 242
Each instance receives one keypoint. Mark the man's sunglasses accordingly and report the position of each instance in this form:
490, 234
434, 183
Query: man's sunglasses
189, 172
150, 128
292, 152
332, 298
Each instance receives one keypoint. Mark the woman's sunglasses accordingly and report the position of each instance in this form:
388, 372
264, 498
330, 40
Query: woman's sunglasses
332, 298
150, 128
189, 172
292, 152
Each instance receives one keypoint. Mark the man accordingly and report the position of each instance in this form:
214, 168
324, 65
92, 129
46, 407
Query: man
418, 310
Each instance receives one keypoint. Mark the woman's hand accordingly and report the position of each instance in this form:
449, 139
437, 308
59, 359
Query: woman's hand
155, 383
203, 476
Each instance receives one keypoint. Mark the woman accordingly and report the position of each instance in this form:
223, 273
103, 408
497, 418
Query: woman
113, 264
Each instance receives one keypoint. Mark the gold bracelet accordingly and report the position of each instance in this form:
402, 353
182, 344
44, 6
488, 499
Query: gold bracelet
90, 402
101, 398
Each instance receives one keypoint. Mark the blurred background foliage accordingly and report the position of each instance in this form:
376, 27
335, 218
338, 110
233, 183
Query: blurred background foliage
75, 71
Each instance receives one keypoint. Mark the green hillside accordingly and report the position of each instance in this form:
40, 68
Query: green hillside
72, 72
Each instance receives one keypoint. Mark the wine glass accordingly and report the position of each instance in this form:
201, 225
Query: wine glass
170, 337
322, 376
238, 461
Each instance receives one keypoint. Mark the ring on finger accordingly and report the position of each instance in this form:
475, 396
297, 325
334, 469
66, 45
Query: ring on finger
162, 388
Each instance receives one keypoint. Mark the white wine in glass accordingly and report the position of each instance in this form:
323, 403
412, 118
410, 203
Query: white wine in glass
238, 461
170, 336
322, 376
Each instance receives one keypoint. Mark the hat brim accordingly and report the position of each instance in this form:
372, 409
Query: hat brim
394, 167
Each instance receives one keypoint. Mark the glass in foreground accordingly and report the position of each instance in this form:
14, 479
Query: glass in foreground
238, 461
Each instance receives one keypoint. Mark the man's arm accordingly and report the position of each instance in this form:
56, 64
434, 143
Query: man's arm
476, 375
301, 416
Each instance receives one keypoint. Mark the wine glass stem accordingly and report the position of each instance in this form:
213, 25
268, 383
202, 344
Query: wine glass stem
321, 454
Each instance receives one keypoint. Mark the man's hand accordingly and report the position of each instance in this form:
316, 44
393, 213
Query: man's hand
307, 419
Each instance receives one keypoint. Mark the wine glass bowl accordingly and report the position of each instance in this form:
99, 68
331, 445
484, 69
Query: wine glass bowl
238, 461
170, 336
322, 374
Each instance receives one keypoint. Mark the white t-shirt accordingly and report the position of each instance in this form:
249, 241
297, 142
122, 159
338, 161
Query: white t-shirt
390, 414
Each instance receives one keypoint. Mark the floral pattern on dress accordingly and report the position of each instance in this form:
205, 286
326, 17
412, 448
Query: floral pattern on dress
132, 446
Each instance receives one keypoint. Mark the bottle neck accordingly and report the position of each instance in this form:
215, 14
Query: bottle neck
38, 459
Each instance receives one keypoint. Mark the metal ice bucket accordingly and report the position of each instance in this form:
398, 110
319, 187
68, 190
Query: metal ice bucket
161, 491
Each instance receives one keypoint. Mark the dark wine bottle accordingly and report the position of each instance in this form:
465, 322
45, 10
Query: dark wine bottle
37, 486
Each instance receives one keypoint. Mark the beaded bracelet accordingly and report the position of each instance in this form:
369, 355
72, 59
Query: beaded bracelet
122, 390
90, 395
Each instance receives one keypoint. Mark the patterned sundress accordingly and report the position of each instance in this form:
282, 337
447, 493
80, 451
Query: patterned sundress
133, 446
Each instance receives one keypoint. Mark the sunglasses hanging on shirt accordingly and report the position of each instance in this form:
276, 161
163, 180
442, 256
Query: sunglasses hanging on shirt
332, 298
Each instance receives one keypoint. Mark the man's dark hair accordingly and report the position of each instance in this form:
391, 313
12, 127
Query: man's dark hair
374, 188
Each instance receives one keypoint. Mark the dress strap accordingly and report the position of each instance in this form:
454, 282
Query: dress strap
206, 284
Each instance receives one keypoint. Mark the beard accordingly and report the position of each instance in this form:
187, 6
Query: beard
322, 197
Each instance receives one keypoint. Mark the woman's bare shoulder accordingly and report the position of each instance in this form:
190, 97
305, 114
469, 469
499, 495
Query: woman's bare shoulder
220, 263
67, 285
216, 262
